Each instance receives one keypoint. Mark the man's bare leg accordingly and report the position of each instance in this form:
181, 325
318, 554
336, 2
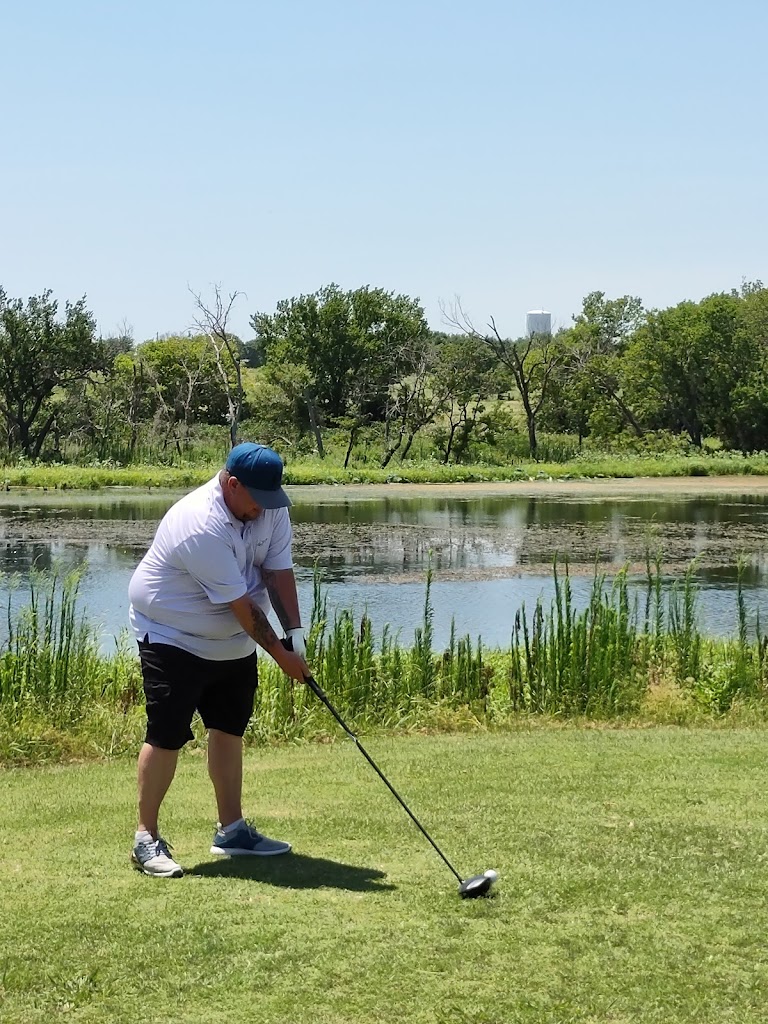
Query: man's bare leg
225, 767
157, 766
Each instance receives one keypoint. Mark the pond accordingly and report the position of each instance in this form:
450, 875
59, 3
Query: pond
491, 547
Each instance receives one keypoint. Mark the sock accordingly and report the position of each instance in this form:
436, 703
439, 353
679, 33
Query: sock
143, 837
231, 828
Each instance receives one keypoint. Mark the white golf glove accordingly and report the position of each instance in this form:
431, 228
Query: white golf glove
298, 643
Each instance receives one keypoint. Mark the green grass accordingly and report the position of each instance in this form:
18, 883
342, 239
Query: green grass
632, 887
312, 470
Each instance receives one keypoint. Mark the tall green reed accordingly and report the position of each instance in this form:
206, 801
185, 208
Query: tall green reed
738, 672
565, 659
684, 632
50, 661
373, 681
49, 650
570, 662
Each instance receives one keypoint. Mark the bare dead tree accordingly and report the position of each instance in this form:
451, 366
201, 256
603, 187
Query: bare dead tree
532, 361
213, 321
165, 415
134, 404
193, 376
415, 401
462, 416
314, 422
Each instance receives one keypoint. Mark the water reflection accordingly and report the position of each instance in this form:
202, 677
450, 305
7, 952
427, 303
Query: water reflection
318, 505
489, 553
514, 510
478, 607
55, 508
21, 557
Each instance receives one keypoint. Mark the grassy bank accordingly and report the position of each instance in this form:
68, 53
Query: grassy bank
620, 658
632, 887
308, 470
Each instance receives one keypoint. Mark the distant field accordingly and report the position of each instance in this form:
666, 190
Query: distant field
633, 882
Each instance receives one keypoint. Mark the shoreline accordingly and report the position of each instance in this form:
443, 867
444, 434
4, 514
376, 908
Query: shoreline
502, 549
608, 486
635, 486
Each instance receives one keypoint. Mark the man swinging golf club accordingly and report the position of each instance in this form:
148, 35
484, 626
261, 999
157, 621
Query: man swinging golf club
199, 601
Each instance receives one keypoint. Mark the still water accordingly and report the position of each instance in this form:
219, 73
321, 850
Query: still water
490, 553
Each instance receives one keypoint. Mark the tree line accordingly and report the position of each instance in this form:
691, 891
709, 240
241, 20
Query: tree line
365, 367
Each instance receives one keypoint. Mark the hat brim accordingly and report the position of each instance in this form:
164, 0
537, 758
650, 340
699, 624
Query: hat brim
269, 499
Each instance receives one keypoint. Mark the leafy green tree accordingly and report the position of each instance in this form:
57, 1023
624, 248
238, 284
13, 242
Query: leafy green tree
254, 355
571, 397
685, 362
181, 374
742, 422
608, 323
119, 343
592, 370
101, 415
41, 353
275, 395
355, 345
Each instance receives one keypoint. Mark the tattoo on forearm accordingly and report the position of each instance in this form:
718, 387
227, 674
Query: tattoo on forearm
262, 633
276, 601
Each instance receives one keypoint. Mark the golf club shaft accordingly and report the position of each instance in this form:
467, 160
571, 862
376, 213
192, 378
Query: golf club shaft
319, 693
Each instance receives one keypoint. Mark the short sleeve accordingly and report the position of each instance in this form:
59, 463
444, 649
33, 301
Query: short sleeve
278, 554
210, 560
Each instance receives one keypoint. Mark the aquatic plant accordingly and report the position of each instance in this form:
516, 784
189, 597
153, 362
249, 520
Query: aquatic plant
58, 692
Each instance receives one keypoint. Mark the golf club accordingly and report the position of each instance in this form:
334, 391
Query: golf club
469, 888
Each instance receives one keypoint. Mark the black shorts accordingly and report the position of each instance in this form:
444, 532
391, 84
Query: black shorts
176, 684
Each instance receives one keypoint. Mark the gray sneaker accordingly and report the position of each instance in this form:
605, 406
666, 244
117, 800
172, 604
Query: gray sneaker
154, 858
245, 841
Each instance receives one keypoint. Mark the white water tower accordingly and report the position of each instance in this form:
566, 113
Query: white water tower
538, 321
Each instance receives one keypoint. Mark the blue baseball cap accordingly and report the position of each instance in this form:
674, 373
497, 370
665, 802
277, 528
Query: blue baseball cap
260, 471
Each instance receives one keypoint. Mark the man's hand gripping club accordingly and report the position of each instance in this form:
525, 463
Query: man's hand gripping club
256, 625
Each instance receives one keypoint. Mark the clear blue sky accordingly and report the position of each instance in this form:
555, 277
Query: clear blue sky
516, 154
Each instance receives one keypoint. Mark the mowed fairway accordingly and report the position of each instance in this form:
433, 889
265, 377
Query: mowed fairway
633, 886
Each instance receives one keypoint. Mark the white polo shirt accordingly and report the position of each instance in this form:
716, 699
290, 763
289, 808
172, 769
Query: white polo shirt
202, 558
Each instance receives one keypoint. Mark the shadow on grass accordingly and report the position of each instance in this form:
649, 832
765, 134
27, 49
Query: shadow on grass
295, 871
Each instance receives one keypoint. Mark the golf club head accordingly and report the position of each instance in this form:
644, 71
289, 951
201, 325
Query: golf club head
477, 885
